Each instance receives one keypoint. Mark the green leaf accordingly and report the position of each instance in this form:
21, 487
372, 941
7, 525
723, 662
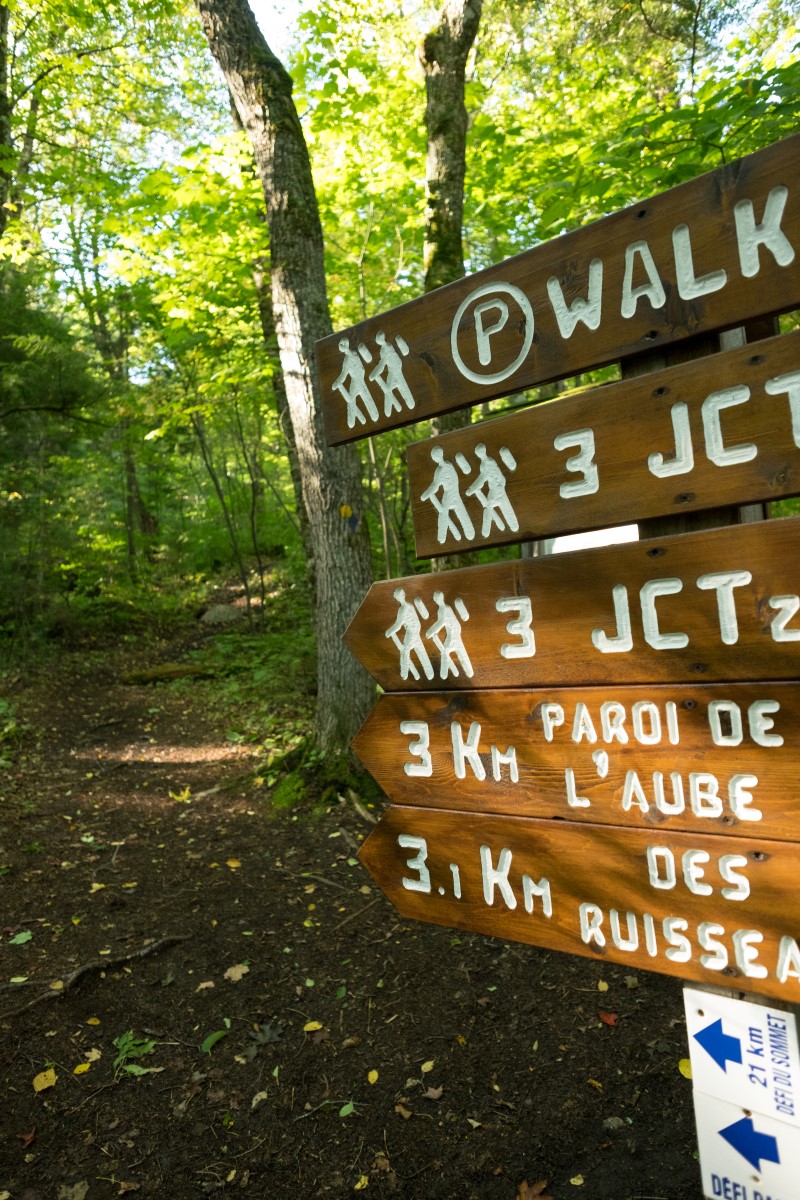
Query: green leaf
20, 939
212, 1040
347, 1109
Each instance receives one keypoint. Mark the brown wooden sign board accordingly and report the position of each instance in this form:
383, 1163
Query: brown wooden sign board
716, 910
717, 605
713, 759
712, 253
715, 431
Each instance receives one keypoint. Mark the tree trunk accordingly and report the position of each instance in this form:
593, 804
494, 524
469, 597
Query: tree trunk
261, 279
331, 477
5, 120
443, 54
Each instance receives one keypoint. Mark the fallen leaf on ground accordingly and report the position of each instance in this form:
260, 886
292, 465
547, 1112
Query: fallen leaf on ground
362, 1183
201, 987
259, 1098
532, 1191
212, 1039
57, 985
608, 1018
233, 863
93, 1021
685, 1068
433, 1093
81, 1068
93, 1054
235, 974
402, 1111
312, 1026
45, 1079
96, 887
595, 1083
577, 1180
19, 939
127, 1187
427, 1066
602, 986
372, 1077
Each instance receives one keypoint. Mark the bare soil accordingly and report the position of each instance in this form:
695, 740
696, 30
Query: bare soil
168, 901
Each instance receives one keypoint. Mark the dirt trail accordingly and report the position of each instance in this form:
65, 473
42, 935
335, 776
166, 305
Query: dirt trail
288, 1035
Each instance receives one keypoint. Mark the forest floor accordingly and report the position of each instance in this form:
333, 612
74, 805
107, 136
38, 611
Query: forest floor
212, 997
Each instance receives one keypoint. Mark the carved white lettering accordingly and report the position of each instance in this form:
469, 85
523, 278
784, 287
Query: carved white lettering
691, 286
745, 946
622, 641
466, 751
423, 881
648, 594
723, 582
786, 607
682, 460
496, 878
581, 463
586, 309
750, 234
419, 747
573, 799
653, 290
531, 890
520, 628
718, 453
790, 385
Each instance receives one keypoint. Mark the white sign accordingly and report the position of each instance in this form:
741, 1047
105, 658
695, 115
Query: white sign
745, 1053
744, 1155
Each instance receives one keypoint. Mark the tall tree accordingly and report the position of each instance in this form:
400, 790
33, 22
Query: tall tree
443, 54
331, 478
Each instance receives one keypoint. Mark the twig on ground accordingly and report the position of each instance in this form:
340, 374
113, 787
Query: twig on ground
319, 879
353, 916
223, 787
96, 964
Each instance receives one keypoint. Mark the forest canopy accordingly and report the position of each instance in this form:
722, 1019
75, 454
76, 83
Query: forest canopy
143, 437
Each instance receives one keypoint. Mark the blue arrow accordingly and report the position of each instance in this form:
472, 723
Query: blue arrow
752, 1145
719, 1045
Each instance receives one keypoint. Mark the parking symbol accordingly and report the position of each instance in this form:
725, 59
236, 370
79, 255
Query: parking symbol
480, 319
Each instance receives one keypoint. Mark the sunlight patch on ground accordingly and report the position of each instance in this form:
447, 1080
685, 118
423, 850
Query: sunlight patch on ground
137, 752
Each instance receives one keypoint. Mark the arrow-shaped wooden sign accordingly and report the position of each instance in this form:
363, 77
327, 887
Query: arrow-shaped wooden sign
718, 605
714, 431
712, 253
708, 759
712, 909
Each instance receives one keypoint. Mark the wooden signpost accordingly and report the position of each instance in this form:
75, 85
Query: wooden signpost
598, 752
689, 437
718, 758
710, 254
721, 604
705, 908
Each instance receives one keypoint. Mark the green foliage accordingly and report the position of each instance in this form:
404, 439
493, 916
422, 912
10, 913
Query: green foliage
141, 447
130, 1046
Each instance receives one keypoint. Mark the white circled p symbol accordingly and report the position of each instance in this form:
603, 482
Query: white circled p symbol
484, 334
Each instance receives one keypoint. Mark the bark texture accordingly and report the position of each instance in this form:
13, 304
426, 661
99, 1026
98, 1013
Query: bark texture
5, 120
443, 54
331, 477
